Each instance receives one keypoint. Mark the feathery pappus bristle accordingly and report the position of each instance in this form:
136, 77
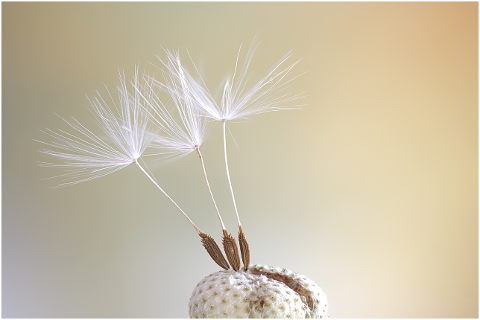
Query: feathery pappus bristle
85, 155
185, 130
241, 99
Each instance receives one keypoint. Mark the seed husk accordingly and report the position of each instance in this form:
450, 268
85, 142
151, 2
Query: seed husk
213, 250
244, 248
231, 250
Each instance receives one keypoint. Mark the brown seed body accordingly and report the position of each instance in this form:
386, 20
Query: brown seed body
231, 250
214, 251
244, 248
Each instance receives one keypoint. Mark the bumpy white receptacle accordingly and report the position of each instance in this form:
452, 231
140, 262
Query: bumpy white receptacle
260, 292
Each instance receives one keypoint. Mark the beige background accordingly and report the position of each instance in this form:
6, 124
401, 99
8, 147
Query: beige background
371, 190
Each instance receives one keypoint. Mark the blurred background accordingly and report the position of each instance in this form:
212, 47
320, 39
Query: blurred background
371, 190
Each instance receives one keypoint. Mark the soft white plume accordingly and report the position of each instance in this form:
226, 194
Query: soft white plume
241, 99
85, 155
185, 130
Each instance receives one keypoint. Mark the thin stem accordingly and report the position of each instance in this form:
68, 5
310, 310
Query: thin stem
176, 205
208, 243
228, 172
209, 189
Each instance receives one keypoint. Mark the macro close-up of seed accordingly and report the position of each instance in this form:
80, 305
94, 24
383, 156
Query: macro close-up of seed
167, 160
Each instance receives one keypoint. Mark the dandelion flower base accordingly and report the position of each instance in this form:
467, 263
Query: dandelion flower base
259, 292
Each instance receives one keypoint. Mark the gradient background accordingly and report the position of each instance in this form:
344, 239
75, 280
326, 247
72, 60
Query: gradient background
371, 190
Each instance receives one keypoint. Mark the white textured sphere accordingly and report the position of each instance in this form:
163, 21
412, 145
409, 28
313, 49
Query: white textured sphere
260, 292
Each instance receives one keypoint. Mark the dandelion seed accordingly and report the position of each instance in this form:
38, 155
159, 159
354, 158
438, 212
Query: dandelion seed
85, 156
